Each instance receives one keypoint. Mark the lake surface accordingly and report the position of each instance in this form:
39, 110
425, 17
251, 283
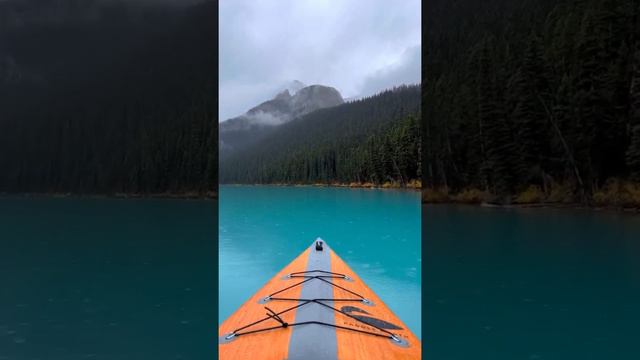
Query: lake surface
531, 284
376, 232
107, 279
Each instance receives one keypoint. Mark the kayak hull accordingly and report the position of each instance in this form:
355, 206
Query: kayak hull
316, 307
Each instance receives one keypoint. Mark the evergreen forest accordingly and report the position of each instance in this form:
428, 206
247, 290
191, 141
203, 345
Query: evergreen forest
108, 97
532, 101
373, 141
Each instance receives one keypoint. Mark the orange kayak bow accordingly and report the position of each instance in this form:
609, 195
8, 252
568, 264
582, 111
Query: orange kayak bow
316, 308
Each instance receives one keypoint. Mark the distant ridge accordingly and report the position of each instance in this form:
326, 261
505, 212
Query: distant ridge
238, 132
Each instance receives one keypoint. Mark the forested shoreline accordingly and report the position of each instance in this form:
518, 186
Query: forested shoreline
533, 102
108, 98
372, 142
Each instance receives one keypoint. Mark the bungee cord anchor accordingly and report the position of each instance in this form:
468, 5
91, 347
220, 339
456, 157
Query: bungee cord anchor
276, 316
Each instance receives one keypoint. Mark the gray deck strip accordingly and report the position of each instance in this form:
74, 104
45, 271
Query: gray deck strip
315, 342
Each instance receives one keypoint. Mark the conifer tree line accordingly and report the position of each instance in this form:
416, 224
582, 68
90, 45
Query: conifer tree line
103, 98
532, 93
375, 140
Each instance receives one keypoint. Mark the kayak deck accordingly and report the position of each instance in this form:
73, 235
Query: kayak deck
316, 308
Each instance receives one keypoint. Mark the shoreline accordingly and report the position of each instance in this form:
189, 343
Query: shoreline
480, 199
617, 195
570, 206
386, 186
175, 196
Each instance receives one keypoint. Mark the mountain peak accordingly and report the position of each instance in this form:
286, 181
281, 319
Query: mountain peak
294, 86
283, 108
283, 95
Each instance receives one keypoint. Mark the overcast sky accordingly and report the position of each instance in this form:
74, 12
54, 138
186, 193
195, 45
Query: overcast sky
360, 47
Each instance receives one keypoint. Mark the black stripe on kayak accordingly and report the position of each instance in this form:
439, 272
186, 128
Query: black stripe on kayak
314, 342
381, 324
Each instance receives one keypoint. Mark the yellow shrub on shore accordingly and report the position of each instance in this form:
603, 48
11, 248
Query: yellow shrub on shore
471, 196
618, 193
561, 193
436, 195
609, 194
531, 195
633, 191
415, 184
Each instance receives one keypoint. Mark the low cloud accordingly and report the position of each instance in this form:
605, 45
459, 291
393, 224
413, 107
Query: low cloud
407, 70
264, 118
359, 47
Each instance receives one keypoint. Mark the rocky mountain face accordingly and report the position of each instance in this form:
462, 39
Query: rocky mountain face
245, 129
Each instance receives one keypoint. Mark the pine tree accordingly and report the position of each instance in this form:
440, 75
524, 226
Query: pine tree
530, 89
633, 152
593, 110
499, 146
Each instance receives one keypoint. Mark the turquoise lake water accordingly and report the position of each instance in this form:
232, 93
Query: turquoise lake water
376, 232
531, 284
135, 279
107, 279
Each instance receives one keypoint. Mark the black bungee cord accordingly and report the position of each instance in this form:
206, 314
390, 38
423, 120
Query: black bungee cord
283, 324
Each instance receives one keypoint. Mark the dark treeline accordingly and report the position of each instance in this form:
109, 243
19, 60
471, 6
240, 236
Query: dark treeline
107, 97
374, 140
524, 94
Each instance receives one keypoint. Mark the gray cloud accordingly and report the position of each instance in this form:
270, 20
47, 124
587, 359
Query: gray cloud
264, 118
407, 70
360, 47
